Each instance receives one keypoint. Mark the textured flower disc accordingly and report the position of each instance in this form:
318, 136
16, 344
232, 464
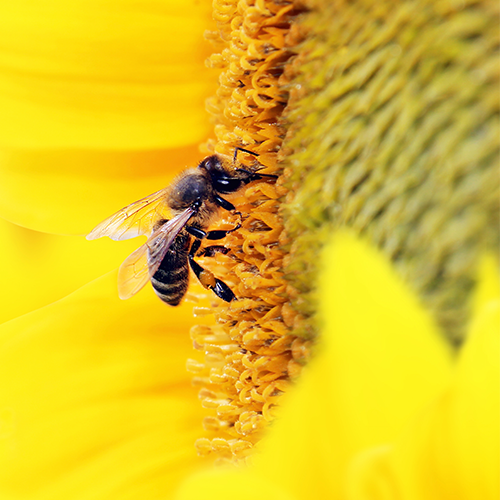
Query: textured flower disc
250, 355
394, 132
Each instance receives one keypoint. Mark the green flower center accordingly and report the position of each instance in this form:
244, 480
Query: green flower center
393, 132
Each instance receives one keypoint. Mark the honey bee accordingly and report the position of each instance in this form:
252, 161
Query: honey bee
194, 199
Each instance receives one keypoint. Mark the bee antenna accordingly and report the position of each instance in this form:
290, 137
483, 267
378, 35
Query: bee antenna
255, 176
245, 151
265, 176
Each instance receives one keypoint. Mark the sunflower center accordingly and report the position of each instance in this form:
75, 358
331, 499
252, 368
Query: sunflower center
391, 130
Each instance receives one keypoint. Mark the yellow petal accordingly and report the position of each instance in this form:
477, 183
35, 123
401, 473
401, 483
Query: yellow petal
69, 192
38, 268
230, 485
386, 352
451, 450
95, 398
99, 74
474, 414
488, 288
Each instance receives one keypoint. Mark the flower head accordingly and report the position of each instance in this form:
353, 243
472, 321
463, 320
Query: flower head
376, 117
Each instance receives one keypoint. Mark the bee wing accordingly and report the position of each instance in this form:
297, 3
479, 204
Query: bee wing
133, 220
133, 274
139, 266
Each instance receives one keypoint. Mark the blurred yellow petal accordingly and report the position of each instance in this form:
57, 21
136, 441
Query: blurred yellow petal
454, 451
69, 192
488, 288
98, 99
95, 399
473, 429
451, 450
230, 485
375, 328
38, 268
107, 75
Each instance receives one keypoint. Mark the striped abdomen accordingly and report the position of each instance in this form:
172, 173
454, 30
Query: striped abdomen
171, 280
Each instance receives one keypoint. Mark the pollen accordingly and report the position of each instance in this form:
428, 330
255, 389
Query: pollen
249, 354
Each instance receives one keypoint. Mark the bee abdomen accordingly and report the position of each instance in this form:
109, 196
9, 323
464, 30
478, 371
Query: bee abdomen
171, 283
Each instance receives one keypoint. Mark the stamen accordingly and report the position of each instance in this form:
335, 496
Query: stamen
249, 355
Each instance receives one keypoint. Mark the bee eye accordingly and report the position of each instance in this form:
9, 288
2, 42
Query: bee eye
226, 184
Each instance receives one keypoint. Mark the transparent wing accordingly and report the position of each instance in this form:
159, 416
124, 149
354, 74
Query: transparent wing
133, 274
133, 220
139, 266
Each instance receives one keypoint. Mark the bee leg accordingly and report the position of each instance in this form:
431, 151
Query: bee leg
211, 235
226, 205
219, 235
207, 279
199, 234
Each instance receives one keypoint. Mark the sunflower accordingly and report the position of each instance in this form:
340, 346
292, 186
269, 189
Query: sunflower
358, 362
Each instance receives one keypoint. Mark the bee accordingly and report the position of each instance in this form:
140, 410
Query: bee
193, 200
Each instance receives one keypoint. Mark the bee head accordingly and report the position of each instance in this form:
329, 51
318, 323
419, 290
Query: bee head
225, 180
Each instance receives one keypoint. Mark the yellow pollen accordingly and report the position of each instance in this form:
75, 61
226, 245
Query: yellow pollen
249, 355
